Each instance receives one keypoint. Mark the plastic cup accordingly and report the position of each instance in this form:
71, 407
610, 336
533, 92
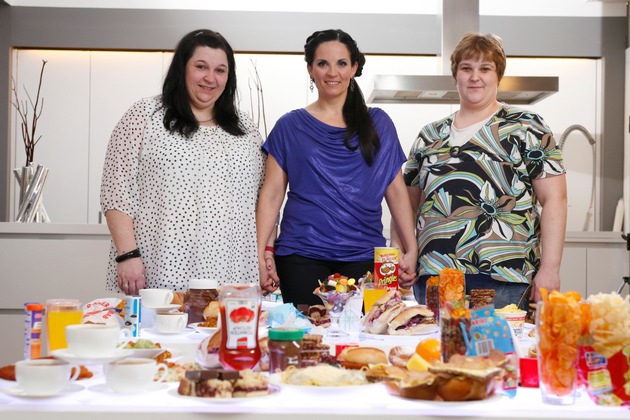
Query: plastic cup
59, 314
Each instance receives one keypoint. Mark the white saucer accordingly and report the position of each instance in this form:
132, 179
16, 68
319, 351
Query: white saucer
164, 308
17, 391
157, 386
154, 330
68, 356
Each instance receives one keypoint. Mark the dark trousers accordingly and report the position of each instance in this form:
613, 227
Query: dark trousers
299, 275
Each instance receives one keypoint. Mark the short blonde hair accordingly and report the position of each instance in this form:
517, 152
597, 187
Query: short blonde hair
474, 45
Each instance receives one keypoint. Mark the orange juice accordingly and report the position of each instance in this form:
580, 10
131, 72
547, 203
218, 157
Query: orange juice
59, 314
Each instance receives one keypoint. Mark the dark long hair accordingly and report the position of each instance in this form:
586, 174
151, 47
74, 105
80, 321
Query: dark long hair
179, 117
355, 111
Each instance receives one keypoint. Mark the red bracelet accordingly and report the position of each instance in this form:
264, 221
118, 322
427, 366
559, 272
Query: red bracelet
270, 249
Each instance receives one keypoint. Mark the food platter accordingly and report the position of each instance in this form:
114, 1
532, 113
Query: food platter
324, 390
389, 337
273, 389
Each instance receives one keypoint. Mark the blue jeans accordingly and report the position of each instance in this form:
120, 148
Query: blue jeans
505, 293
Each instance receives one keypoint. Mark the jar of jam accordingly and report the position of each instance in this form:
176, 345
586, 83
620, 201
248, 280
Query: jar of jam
284, 348
200, 293
240, 309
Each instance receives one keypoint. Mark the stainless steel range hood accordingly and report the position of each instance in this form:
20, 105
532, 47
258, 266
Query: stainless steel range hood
458, 17
441, 89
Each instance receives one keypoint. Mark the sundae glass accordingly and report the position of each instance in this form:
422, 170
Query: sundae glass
334, 293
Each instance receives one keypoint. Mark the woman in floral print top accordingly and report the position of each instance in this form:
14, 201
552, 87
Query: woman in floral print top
477, 177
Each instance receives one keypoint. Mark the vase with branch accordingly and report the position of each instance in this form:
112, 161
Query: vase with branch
30, 177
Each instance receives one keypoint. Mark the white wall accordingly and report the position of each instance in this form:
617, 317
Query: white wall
86, 92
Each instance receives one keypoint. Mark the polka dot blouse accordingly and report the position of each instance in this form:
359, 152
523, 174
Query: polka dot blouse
192, 201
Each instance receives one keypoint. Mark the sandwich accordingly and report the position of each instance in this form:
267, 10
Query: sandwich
412, 320
382, 311
318, 316
360, 357
414, 385
467, 378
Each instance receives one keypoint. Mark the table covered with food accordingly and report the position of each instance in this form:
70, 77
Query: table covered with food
245, 357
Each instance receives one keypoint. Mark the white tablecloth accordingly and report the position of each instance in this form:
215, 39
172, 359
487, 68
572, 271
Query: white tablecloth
94, 401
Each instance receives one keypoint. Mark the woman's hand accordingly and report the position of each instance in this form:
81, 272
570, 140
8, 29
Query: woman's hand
131, 276
547, 278
269, 280
407, 270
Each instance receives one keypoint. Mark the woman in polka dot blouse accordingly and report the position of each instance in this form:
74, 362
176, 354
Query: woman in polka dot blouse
181, 178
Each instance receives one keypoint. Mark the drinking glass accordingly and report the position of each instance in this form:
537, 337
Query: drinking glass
59, 314
558, 330
334, 302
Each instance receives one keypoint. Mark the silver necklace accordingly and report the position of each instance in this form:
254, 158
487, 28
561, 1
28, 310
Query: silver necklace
205, 121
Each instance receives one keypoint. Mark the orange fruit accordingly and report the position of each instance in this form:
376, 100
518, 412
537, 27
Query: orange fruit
429, 349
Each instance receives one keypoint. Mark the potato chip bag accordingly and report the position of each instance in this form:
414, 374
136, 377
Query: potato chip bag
604, 365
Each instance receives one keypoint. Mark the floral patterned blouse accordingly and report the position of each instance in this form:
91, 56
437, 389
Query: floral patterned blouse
480, 212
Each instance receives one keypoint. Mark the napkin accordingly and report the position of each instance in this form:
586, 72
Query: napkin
287, 316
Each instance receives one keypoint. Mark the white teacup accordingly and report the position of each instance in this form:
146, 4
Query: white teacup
134, 374
96, 340
156, 298
41, 377
171, 322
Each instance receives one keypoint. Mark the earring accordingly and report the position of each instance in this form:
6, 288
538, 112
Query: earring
312, 86
351, 85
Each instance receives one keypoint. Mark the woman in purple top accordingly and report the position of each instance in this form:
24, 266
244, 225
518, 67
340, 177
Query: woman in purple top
339, 159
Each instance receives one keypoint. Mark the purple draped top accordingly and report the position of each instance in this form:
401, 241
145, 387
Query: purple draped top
333, 208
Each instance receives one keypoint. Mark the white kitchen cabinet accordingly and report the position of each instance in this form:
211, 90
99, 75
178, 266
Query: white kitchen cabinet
594, 262
573, 270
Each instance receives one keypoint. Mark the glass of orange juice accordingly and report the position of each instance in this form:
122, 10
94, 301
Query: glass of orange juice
59, 314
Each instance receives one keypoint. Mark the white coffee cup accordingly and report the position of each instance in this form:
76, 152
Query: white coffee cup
171, 322
96, 340
41, 377
134, 374
156, 298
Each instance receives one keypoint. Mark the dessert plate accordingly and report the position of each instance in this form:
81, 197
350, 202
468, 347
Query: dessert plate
164, 308
68, 356
151, 353
17, 391
273, 389
154, 330
203, 330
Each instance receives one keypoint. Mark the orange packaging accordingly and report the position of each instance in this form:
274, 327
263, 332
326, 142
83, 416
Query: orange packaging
452, 286
386, 268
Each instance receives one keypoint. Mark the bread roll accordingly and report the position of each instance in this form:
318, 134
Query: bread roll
359, 357
211, 310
